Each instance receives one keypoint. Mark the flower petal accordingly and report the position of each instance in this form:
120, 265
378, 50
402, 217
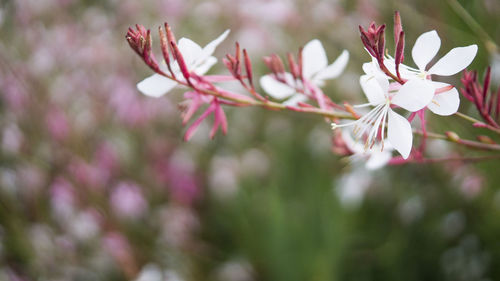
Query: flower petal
378, 159
445, 103
454, 61
334, 69
275, 88
414, 95
295, 99
354, 146
206, 65
209, 49
399, 133
313, 58
156, 85
373, 89
191, 51
425, 48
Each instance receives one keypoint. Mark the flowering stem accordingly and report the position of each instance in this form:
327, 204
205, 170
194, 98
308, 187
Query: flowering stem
451, 159
451, 137
265, 104
467, 117
388, 73
477, 123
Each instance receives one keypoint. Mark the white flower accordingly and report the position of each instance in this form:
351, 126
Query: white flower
412, 96
446, 101
315, 70
376, 158
198, 60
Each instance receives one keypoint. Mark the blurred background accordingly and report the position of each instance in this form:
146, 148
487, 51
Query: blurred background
97, 184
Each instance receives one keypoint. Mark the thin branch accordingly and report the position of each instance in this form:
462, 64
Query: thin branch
265, 104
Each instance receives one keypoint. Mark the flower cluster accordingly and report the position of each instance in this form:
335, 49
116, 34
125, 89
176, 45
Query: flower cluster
389, 84
487, 102
390, 87
305, 78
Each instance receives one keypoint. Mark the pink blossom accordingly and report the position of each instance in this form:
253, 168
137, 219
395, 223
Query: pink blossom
127, 200
57, 124
88, 175
63, 197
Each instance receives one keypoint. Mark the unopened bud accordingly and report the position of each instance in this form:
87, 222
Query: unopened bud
398, 27
452, 136
248, 67
485, 139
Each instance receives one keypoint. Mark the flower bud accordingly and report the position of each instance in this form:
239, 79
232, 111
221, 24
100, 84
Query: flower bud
452, 136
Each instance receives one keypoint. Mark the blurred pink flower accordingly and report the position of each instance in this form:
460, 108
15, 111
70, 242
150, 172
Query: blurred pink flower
181, 182
14, 94
119, 248
62, 197
88, 175
57, 124
106, 159
130, 108
31, 179
271, 11
472, 184
12, 139
127, 200
178, 224
173, 8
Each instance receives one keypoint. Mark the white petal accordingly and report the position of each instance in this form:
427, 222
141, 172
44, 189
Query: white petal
367, 68
190, 51
313, 58
209, 49
334, 69
354, 146
378, 159
206, 65
445, 103
293, 101
454, 61
275, 88
414, 95
399, 133
374, 92
156, 85
425, 48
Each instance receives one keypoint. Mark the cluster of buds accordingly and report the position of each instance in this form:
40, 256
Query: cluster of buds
487, 102
234, 65
176, 69
140, 41
373, 39
306, 76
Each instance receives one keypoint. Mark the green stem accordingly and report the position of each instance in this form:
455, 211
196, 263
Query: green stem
457, 140
467, 117
474, 120
459, 159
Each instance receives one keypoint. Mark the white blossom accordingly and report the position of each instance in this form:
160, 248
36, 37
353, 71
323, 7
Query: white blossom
315, 70
446, 99
412, 96
198, 60
375, 158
